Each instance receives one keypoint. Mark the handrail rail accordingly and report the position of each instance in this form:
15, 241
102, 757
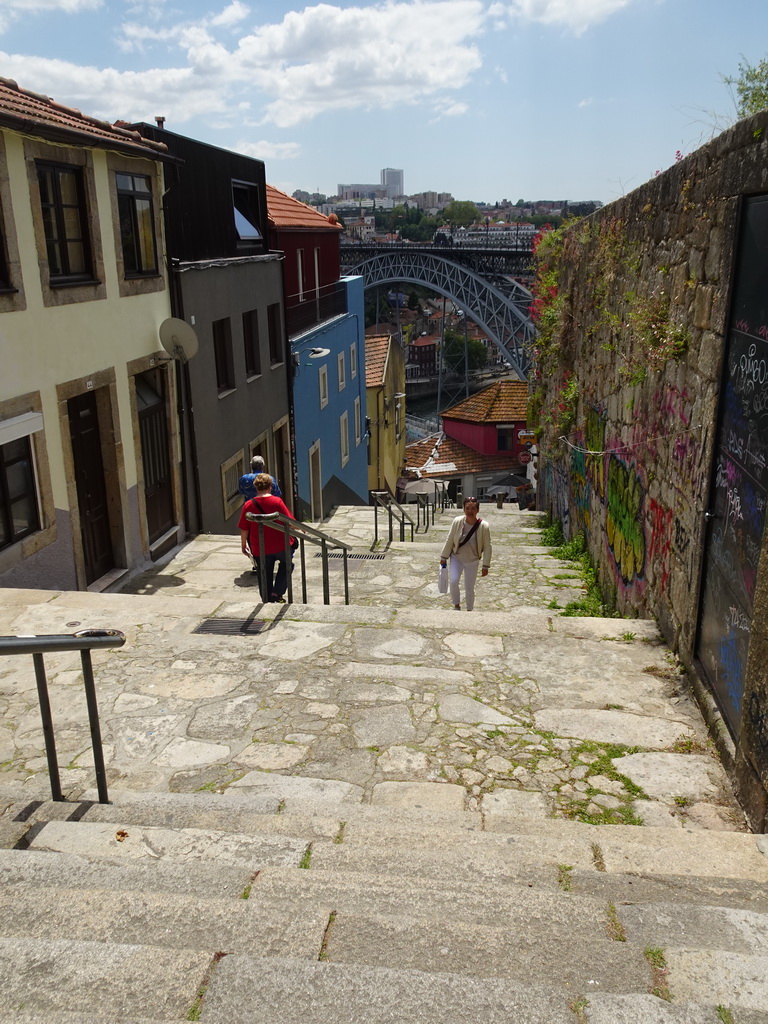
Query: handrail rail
386, 501
302, 532
85, 640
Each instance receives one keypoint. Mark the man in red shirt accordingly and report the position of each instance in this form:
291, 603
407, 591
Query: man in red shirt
274, 540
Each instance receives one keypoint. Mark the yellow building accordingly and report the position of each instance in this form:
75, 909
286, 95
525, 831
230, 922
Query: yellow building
89, 483
385, 406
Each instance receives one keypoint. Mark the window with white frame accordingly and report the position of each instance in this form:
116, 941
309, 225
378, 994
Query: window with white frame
344, 438
322, 380
358, 423
342, 372
353, 361
19, 510
231, 471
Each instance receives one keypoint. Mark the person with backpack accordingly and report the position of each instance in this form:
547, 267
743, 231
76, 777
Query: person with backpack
468, 544
247, 486
274, 541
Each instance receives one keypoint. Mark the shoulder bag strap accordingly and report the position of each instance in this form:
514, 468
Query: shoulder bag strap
471, 533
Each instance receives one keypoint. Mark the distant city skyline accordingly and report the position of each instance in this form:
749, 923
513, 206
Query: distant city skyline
485, 99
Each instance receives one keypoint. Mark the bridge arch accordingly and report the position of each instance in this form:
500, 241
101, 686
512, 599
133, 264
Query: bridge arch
501, 309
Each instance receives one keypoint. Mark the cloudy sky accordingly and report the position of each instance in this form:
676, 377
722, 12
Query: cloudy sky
487, 99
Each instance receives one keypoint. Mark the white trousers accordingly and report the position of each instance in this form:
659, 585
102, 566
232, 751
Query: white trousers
470, 575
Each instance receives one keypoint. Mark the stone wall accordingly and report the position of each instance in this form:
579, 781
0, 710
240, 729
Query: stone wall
633, 309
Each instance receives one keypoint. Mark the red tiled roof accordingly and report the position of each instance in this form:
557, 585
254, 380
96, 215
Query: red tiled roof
431, 339
505, 401
376, 353
451, 457
39, 115
286, 213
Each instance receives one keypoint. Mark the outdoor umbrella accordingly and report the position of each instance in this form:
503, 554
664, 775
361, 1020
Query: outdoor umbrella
424, 486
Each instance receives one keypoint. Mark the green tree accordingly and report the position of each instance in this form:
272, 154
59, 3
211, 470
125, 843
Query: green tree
751, 87
453, 352
461, 213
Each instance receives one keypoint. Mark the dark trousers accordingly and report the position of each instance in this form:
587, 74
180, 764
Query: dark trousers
277, 581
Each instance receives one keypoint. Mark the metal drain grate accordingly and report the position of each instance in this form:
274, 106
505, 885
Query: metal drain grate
356, 557
231, 627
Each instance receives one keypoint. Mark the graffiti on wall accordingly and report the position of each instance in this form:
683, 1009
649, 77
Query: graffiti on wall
660, 540
624, 519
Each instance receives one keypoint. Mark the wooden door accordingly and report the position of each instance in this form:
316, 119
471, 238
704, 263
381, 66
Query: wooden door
91, 486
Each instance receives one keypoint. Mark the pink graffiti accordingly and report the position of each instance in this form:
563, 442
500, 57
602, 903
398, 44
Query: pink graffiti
661, 537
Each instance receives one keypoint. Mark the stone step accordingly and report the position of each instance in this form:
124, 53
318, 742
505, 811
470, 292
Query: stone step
245, 990
73, 871
527, 859
109, 840
268, 926
645, 906
65, 1017
101, 979
621, 849
528, 949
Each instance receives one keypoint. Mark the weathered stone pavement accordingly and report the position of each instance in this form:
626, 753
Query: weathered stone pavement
521, 711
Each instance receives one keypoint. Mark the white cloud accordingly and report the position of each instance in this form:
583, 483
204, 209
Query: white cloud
586, 102
13, 10
269, 150
389, 54
231, 15
577, 15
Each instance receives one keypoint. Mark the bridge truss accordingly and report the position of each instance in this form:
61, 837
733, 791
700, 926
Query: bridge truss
479, 282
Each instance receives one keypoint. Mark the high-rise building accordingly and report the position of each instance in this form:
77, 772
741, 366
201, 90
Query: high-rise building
392, 181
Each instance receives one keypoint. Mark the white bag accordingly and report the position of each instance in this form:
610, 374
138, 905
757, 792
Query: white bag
442, 579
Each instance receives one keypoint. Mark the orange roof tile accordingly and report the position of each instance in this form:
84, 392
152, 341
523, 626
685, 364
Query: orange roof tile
376, 353
451, 457
36, 114
504, 401
286, 213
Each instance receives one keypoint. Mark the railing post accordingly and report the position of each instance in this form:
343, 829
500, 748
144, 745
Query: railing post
375, 521
45, 714
262, 564
326, 582
288, 562
93, 718
303, 572
389, 508
346, 578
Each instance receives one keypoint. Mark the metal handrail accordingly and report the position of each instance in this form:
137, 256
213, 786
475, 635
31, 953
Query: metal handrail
385, 500
302, 532
85, 640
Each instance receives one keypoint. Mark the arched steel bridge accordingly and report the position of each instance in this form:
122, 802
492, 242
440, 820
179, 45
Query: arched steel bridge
479, 281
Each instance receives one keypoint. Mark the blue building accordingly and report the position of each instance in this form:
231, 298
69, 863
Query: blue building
331, 456
326, 332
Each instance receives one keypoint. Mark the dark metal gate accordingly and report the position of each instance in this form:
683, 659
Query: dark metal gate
155, 457
737, 508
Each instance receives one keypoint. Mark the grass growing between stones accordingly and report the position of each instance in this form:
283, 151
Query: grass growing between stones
658, 963
597, 758
615, 927
579, 1008
564, 879
725, 1015
306, 858
197, 1007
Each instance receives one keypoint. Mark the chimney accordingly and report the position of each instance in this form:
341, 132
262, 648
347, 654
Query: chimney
160, 121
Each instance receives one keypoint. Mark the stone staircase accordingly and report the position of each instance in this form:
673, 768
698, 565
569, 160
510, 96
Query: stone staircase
373, 814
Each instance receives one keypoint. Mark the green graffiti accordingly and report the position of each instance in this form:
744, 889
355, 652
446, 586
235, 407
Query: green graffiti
623, 521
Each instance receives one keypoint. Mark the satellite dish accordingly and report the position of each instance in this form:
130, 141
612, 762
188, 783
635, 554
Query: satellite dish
318, 353
178, 338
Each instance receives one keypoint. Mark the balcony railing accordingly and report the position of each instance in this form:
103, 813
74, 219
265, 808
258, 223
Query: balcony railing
328, 302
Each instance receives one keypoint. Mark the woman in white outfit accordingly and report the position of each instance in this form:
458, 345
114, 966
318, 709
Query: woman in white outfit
468, 544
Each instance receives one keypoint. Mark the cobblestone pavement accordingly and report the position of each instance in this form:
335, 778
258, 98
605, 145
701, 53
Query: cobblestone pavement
529, 712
